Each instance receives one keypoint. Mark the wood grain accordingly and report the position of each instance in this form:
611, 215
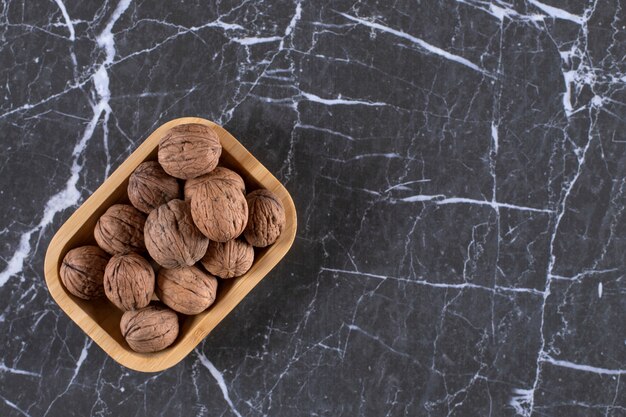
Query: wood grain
100, 319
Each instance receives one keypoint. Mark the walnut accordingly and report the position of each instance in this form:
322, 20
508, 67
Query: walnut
230, 259
129, 281
189, 150
120, 230
266, 220
149, 186
172, 238
219, 210
150, 329
186, 290
219, 173
82, 271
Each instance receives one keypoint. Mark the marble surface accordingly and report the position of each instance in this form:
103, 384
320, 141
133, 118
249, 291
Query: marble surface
459, 170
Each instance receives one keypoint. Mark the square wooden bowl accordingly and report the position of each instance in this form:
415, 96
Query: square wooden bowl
99, 318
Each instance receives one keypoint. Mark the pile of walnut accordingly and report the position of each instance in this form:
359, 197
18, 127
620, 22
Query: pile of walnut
207, 234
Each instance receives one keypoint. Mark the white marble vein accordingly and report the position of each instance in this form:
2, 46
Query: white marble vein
77, 367
340, 101
253, 40
29, 106
502, 10
581, 155
297, 15
325, 130
427, 47
69, 196
182, 31
521, 401
14, 406
4, 368
380, 341
582, 367
219, 378
556, 12
106, 39
68, 21
460, 286
441, 199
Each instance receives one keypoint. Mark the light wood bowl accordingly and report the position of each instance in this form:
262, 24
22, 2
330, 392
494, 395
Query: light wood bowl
99, 318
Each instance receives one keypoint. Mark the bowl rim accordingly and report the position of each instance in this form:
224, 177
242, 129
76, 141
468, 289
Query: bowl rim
158, 361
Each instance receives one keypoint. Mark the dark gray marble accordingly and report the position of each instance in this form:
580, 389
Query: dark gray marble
459, 167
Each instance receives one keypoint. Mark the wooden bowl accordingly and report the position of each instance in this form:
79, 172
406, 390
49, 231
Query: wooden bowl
99, 318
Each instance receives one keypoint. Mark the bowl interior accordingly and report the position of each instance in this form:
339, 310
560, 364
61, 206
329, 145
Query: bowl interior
100, 319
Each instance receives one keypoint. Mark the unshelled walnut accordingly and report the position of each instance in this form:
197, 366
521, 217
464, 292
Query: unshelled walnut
219, 210
229, 259
171, 236
266, 219
82, 271
150, 329
150, 186
120, 230
189, 150
129, 281
186, 290
219, 173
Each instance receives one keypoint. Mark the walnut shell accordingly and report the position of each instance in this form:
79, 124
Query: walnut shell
82, 271
266, 220
219, 210
219, 173
230, 259
149, 187
150, 329
129, 281
189, 150
120, 230
172, 238
186, 290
